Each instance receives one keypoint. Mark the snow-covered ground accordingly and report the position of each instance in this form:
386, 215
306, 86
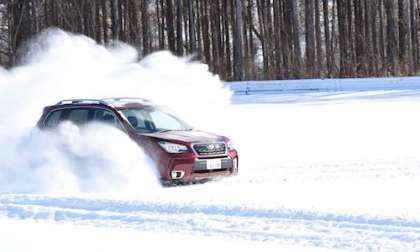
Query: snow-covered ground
318, 172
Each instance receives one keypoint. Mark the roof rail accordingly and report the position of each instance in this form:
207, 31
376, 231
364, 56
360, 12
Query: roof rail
81, 101
126, 99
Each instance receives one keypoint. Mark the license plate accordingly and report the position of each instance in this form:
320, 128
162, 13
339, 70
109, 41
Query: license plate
213, 164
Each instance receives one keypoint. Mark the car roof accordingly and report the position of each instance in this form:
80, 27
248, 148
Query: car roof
116, 103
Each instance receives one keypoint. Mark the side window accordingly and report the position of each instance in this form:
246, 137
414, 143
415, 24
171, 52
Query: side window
78, 116
137, 119
53, 119
104, 116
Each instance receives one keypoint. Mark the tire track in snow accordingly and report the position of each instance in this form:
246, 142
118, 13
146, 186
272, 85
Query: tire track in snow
286, 226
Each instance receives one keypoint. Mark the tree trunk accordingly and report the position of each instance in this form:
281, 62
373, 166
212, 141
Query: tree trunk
278, 55
360, 38
369, 42
115, 17
104, 22
199, 29
215, 35
327, 36
227, 50
145, 20
319, 54
160, 15
179, 39
286, 40
350, 37
237, 42
191, 26
402, 34
170, 26
391, 37
205, 31
310, 38
382, 36
414, 38
297, 52
375, 57
342, 34
262, 36
268, 26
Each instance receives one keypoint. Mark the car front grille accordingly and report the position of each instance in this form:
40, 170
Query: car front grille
210, 149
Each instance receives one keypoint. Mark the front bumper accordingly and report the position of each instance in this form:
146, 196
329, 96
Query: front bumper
188, 167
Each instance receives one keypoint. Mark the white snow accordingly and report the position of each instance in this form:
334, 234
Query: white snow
315, 175
16, 236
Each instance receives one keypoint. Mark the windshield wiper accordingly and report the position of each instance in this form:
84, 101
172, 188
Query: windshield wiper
167, 130
163, 131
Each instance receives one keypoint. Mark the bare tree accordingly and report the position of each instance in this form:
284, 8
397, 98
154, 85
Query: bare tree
179, 32
414, 37
170, 25
391, 37
116, 19
402, 33
297, 55
310, 38
238, 73
328, 53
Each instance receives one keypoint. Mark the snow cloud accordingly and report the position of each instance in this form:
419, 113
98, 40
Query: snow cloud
59, 65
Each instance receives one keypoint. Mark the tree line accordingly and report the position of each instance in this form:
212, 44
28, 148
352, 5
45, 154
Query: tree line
238, 39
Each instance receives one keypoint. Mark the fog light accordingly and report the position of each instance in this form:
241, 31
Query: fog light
177, 174
235, 165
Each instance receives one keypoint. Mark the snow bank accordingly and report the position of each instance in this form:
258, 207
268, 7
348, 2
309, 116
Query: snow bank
324, 85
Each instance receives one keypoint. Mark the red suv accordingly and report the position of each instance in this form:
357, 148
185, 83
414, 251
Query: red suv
181, 153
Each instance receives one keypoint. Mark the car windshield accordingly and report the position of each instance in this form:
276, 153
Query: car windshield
151, 120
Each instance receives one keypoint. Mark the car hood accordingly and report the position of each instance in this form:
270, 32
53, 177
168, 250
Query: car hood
192, 136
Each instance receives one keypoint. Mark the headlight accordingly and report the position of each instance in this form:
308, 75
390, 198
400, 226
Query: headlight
173, 148
230, 145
